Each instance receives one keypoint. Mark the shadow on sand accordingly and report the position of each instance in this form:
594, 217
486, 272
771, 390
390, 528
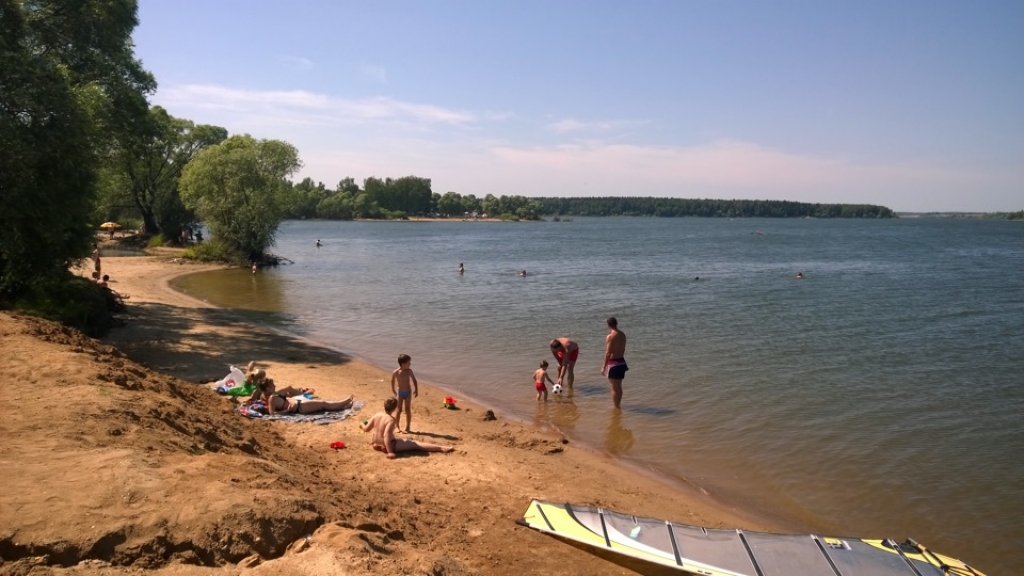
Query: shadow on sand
203, 355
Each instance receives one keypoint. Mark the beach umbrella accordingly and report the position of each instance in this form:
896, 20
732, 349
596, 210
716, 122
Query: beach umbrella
110, 225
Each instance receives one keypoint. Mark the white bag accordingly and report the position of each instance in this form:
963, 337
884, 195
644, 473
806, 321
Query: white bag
234, 378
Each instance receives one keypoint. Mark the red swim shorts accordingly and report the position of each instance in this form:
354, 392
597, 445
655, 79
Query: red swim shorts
540, 386
572, 355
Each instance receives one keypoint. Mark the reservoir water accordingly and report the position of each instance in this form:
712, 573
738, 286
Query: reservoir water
882, 395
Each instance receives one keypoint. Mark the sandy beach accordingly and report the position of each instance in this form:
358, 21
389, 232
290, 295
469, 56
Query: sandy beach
120, 457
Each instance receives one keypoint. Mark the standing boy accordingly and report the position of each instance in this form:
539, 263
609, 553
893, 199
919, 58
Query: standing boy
402, 376
614, 361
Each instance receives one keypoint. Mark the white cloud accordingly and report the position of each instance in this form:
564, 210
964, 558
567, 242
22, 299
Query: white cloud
573, 125
284, 107
482, 152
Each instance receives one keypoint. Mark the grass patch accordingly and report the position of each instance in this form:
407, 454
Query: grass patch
156, 241
210, 251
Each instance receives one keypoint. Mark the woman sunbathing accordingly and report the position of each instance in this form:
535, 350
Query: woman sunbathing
278, 403
258, 375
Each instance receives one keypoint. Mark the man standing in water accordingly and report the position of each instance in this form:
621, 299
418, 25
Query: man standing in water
566, 351
614, 360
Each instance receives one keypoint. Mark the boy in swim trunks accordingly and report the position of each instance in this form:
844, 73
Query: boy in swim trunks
402, 376
566, 351
383, 425
614, 362
539, 376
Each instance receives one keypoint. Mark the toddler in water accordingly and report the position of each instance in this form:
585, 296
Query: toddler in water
539, 376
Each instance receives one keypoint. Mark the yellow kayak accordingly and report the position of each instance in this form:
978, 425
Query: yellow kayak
653, 546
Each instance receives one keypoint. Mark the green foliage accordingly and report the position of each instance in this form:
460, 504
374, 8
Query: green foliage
1018, 215
69, 82
210, 251
306, 198
239, 189
145, 166
72, 301
156, 241
336, 207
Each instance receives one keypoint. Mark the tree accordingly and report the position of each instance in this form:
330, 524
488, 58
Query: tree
308, 195
450, 204
69, 82
147, 164
240, 189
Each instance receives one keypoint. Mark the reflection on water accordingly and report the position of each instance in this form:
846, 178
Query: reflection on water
617, 439
564, 413
104, 252
238, 289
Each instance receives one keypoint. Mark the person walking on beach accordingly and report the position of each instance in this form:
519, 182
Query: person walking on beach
614, 361
539, 376
383, 425
402, 377
566, 351
96, 268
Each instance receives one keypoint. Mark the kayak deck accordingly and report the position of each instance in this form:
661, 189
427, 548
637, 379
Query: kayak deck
663, 547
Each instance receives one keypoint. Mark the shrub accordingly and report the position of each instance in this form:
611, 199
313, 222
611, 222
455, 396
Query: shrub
73, 301
156, 241
211, 251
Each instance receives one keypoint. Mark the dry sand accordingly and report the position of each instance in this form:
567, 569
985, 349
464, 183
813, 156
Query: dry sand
117, 460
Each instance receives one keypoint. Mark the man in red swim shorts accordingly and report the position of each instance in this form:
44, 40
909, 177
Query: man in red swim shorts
566, 351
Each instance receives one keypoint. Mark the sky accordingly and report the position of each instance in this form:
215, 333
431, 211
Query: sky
917, 105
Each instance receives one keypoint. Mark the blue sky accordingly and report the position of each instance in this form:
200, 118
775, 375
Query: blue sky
916, 105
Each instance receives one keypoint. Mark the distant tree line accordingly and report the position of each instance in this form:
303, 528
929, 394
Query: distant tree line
399, 198
1018, 215
677, 207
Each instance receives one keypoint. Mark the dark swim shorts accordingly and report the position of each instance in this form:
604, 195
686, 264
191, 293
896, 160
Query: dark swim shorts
617, 369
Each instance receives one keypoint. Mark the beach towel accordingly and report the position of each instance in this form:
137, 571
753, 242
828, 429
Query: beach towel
259, 410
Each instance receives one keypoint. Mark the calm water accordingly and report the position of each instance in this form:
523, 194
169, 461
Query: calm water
880, 396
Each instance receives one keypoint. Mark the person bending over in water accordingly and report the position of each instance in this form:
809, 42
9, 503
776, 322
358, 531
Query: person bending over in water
566, 351
281, 404
383, 425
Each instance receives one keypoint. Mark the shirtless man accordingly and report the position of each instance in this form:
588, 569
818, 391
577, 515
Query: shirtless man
614, 362
383, 425
566, 351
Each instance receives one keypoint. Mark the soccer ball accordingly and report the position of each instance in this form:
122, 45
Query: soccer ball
556, 389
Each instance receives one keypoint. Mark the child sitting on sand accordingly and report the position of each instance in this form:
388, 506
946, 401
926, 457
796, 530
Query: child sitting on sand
402, 376
539, 376
383, 425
